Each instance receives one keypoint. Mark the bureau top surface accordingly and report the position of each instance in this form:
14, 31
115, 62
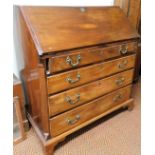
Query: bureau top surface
60, 28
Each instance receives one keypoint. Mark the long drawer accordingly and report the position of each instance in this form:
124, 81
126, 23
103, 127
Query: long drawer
73, 118
70, 79
66, 100
77, 58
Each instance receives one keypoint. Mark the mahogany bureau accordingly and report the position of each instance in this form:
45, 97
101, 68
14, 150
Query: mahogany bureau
79, 65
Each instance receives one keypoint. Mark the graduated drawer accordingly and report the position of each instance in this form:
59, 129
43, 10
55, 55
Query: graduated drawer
75, 117
81, 57
70, 79
66, 100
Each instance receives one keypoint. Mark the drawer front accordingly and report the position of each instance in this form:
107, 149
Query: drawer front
79, 95
86, 56
70, 79
75, 117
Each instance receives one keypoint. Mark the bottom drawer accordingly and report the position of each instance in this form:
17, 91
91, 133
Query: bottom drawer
73, 118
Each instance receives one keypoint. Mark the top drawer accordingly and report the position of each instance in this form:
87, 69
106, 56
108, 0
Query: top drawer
82, 57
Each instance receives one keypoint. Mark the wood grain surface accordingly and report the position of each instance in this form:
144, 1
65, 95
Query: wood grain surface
87, 111
60, 28
91, 55
57, 103
58, 82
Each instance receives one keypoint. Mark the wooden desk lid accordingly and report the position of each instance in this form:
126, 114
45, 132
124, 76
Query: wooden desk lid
60, 28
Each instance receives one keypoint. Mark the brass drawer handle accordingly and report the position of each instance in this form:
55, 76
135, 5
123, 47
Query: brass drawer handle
117, 97
124, 50
73, 121
122, 64
70, 80
70, 101
120, 81
70, 61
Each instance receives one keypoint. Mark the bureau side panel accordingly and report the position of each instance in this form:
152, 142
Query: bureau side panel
34, 74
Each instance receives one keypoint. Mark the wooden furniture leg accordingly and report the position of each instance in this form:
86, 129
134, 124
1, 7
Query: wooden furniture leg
49, 144
130, 106
49, 150
50, 147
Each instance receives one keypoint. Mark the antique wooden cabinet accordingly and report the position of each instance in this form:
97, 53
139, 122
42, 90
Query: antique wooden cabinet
79, 65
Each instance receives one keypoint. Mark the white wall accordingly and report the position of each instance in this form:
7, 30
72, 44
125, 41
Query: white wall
18, 60
15, 66
18, 63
